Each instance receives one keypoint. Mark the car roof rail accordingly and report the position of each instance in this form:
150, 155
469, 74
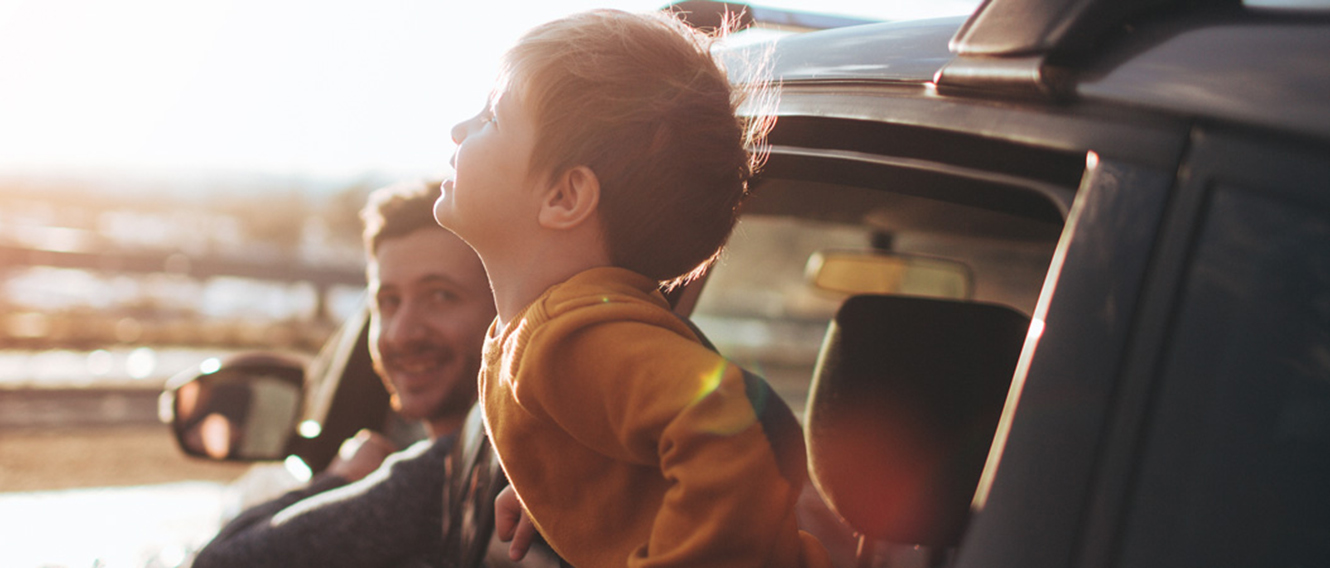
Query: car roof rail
710, 15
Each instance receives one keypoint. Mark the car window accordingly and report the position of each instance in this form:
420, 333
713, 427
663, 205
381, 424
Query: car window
756, 306
760, 310
1238, 451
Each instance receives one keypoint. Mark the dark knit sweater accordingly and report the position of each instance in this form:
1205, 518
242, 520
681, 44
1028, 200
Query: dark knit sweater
391, 518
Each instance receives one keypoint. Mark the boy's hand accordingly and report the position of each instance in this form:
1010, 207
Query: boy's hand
511, 523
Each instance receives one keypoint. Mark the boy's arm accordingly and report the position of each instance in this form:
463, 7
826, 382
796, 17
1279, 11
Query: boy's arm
732, 492
729, 448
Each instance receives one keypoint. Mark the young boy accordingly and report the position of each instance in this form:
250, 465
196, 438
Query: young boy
610, 162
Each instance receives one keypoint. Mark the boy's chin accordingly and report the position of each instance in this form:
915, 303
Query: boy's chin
443, 209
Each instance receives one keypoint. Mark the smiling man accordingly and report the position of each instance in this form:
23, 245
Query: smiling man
430, 308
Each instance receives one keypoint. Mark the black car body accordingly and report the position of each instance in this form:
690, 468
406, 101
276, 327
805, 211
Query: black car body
1146, 184
1172, 403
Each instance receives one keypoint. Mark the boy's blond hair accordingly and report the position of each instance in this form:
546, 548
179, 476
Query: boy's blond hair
639, 99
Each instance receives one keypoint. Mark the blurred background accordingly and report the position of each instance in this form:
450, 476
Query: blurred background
180, 180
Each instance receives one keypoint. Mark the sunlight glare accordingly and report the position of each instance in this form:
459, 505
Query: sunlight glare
210, 365
100, 362
331, 88
310, 429
298, 468
141, 363
122, 526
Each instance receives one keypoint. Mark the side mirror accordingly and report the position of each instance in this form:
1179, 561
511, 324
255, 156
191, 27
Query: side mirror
856, 272
243, 408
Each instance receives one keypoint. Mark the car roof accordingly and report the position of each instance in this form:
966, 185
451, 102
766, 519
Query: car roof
1268, 70
911, 51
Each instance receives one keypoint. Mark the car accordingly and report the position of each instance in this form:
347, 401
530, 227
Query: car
1051, 283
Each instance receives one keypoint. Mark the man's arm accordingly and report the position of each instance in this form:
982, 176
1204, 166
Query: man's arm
264, 511
359, 456
390, 516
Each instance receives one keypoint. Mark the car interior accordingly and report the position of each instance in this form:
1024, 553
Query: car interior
884, 290
888, 302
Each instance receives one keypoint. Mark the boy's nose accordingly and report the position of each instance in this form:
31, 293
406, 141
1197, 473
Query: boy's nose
460, 130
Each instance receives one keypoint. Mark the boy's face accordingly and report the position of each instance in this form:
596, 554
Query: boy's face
492, 199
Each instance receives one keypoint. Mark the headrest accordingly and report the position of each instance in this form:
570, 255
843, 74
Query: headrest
902, 411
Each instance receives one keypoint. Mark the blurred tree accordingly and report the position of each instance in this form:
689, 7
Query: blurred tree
255, 219
275, 218
341, 212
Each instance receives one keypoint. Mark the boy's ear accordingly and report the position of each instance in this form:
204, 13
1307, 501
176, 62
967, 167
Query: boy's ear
571, 199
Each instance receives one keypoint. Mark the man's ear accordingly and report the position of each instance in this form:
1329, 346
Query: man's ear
571, 199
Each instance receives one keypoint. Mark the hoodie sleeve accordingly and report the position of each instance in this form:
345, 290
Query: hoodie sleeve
728, 447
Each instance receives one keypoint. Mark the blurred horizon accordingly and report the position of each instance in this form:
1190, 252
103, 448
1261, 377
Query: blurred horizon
181, 180
304, 89
181, 175
101, 273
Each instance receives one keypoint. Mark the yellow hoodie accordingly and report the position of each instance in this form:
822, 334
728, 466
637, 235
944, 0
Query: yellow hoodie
631, 444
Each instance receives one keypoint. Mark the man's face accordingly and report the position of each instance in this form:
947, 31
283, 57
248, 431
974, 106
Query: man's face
430, 308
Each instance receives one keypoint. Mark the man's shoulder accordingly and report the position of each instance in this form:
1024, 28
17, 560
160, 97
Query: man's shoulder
435, 450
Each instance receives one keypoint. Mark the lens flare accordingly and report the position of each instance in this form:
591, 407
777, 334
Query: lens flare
717, 412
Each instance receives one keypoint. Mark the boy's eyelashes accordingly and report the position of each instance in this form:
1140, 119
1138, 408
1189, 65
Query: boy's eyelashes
489, 113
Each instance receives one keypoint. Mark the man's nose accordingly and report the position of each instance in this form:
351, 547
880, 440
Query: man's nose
405, 326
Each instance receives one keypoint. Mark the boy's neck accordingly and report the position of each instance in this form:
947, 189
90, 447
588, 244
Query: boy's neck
519, 282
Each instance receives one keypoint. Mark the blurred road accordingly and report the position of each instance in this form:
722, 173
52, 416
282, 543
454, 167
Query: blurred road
105, 495
63, 427
77, 407
37, 459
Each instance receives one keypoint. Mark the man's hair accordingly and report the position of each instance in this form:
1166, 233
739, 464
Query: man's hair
397, 211
639, 99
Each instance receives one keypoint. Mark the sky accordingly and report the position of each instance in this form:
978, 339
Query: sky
318, 88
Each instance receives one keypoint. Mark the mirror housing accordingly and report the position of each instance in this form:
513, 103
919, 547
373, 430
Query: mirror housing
241, 408
856, 272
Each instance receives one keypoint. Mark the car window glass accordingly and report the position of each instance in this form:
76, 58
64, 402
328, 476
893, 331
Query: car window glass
756, 306
760, 310
1238, 455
